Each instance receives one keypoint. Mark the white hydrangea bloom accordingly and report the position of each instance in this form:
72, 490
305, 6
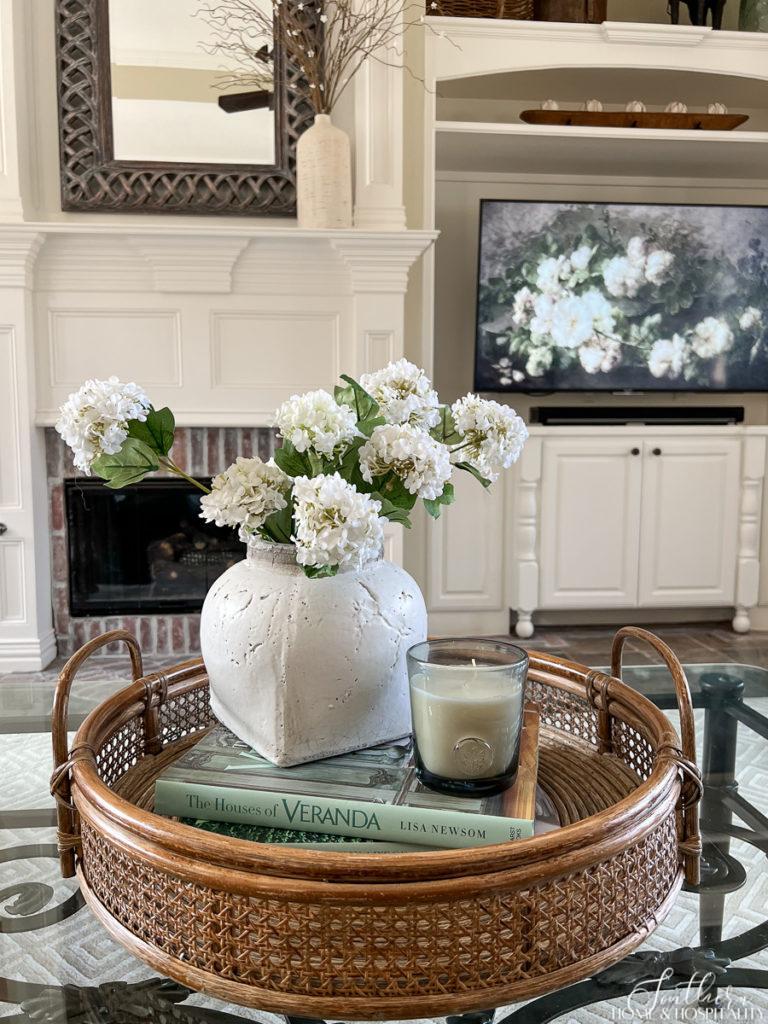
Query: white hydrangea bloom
636, 251
580, 258
94, 420
711, 337
494, 434
601, 310
572, 322
523, 307
404, 394
543, 311
335, 524
421, 462
551, 272
600, 355
539, 361
245, 494
751, 317
316, 421
657, 265
667, 356
622, 277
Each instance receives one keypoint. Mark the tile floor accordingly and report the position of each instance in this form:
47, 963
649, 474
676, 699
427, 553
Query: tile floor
590, 645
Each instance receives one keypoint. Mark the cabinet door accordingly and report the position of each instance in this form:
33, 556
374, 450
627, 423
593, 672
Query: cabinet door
590, 509
689, 530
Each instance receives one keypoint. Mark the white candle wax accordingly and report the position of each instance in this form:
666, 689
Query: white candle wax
466, 721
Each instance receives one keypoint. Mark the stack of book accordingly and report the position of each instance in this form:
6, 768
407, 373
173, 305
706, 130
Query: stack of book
368, 801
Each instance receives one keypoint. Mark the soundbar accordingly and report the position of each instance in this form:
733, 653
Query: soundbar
619, 415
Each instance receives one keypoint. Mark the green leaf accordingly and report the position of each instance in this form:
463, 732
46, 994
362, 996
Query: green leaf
316, 463
131, 464
349, 468
394, 514
292, 462
391, 488
156, 431
445, 430
357, 398
279, 525
433, 505
318, 572
468, 468
367, 427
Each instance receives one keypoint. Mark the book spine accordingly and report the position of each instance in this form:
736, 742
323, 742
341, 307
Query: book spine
422, 826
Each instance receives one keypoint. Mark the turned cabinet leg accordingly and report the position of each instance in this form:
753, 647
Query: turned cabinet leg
741, 623
524, 626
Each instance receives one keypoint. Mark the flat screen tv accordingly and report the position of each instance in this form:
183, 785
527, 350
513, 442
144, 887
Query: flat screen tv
621, 297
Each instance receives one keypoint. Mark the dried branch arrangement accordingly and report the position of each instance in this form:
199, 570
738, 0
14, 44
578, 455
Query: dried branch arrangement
329, 40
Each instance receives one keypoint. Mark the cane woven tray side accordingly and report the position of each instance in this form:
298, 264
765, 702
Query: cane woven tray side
378, 936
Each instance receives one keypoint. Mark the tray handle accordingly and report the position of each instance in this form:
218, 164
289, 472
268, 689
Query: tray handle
67, 817
685, 759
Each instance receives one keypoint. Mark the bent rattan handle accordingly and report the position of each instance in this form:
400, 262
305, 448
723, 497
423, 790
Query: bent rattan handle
63, 759
685, 759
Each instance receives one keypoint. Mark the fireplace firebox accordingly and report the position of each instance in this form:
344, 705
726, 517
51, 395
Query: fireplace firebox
142, 550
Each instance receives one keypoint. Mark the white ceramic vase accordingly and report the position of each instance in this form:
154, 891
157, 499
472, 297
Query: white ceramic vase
306, 668
323, 176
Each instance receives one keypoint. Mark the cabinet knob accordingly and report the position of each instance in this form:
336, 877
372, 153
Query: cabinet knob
635, 451
3, 529
657, 451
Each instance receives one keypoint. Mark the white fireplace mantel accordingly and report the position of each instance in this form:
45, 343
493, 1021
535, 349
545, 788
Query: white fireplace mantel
221, 323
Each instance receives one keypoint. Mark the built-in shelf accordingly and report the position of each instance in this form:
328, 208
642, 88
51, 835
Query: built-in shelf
479, 148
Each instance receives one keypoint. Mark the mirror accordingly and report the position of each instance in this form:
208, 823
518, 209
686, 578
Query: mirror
167, 77
160, 112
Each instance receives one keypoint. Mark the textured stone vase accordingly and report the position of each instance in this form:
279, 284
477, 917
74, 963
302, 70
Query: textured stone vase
323, 176
302, 669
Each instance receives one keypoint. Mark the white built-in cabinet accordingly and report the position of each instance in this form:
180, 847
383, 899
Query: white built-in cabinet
627, 522
604, 519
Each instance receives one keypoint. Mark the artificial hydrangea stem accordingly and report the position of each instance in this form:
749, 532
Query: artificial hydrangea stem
168, 464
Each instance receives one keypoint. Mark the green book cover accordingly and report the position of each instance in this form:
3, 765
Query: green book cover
291, 837
372, 794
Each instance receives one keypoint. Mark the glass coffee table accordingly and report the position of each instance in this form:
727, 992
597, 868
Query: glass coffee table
707, 961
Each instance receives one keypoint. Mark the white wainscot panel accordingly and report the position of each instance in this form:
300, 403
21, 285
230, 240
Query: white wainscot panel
268, 356
466, 550
133, 344
12, 603
10, 453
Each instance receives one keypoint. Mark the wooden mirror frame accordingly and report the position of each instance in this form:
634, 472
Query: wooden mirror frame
91, 177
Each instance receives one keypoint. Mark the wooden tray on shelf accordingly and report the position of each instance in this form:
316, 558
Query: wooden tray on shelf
385, 936
628, 119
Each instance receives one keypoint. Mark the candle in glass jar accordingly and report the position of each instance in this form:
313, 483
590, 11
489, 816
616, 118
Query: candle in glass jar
467, 723
467, 700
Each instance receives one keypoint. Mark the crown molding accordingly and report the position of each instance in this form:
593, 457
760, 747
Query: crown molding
212, 260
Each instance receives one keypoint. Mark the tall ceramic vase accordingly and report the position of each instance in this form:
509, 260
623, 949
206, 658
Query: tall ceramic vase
323, 176
302, 669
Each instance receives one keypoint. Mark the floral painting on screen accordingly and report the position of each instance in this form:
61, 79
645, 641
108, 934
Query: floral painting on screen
593, 296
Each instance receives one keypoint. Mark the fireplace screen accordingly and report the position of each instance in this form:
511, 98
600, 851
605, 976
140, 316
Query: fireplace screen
143, 549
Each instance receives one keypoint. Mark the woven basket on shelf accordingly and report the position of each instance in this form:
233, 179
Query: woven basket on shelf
384, 936
517, 10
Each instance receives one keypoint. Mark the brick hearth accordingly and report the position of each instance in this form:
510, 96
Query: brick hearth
199, 451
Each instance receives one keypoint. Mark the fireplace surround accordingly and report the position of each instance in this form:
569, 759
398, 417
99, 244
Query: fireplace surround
164, 623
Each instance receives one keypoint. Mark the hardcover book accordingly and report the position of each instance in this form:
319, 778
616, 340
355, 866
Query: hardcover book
371, 794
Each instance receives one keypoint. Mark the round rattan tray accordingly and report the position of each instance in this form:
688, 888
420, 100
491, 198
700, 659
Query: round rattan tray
384, 936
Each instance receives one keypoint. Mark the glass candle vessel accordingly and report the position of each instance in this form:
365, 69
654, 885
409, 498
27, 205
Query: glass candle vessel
467, 701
